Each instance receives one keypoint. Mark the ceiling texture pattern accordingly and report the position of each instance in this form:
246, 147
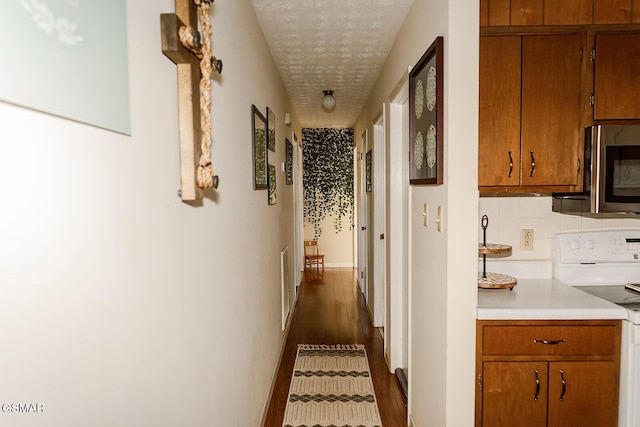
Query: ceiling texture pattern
338, 45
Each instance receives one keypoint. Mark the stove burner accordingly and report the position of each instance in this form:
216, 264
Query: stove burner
633, 287
633, 306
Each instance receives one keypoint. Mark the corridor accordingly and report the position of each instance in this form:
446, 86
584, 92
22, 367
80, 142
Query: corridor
331, 310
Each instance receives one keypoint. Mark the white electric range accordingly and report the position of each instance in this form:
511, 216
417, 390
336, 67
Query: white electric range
607, 264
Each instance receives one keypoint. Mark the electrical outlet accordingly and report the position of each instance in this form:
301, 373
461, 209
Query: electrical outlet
526, 239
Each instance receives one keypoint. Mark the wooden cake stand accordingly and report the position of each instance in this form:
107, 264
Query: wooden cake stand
493, 280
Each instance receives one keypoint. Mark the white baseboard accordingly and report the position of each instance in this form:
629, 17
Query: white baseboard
339, 264
274, 377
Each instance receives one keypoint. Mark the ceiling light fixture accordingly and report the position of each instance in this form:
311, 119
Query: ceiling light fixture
328, 101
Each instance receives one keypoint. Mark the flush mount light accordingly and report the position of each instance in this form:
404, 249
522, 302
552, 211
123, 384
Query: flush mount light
328, 101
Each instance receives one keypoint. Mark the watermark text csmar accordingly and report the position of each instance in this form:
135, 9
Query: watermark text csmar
22, 408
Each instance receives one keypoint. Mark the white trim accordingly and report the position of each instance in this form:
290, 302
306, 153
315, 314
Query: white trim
396, 335
274, 376
378, 245
339, 264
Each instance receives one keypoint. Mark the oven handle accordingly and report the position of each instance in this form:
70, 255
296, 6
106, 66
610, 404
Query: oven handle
549, 342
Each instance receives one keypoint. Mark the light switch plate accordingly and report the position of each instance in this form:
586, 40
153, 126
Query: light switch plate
425, 214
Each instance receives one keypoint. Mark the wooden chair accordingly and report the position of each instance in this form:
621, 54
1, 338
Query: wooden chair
311, 255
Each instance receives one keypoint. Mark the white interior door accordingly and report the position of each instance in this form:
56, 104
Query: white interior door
379, 223
298, 234
396, 333
362, 215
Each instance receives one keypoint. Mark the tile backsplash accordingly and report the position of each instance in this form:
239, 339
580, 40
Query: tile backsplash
509, 215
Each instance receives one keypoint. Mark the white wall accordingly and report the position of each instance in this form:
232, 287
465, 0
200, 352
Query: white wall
120, 304
337, 246
508, 215
443, 289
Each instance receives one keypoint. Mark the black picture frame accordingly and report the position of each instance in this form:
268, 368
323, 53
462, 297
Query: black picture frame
271, 130
368, 170
288, 163
426, 110
259, 127
271, 194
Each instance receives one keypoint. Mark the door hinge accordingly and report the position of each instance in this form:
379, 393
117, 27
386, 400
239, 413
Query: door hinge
480, 382
592, 100
593, 55
362, 274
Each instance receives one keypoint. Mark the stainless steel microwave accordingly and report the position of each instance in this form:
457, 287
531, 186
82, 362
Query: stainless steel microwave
611, 174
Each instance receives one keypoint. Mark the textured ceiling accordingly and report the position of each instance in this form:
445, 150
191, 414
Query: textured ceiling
330, 44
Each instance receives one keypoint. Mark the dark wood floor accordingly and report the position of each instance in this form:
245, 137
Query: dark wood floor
331, 310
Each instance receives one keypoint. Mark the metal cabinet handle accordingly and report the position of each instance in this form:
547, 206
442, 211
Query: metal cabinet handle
535, 396
564, 386
549, 342
533, 165
510, 165
363, 228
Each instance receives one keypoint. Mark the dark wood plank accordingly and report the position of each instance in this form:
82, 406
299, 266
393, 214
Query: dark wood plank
331, 310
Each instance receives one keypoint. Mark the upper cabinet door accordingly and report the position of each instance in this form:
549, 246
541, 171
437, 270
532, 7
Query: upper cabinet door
550, 109
499, 111
617, 76
612, 11
568, 12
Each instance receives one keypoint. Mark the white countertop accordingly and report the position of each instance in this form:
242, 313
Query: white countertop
544, 299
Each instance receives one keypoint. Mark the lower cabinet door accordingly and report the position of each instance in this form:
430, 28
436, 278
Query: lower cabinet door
514, 394
583, 394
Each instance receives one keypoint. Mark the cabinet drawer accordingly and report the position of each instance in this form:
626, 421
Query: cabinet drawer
549, 340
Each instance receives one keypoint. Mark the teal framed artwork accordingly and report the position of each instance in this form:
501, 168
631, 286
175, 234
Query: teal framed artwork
68, 58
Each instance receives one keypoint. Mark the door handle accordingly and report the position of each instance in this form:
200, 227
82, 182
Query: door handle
549, 342
510, 165
533, 165
564, 386
382, 236
535, 396
363, 228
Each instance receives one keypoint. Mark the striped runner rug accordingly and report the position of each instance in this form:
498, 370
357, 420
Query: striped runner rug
331, 387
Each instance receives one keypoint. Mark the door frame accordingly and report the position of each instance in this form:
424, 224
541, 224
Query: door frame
362, 214
398, 244
378, 234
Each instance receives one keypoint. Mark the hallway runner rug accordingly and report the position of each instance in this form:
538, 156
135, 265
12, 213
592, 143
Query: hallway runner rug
331, 386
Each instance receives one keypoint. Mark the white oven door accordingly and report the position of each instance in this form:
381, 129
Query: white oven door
629, 410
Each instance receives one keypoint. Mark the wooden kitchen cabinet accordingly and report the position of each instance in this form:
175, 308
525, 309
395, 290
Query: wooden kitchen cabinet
569, 377
504, 13
529, 113
617, 76
588, 397
514, 389
612, 11
499, 111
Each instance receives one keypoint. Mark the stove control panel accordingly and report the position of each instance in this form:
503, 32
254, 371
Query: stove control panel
625, 244
606, 246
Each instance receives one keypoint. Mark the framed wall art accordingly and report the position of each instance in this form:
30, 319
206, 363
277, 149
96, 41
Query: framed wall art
367, 171
272, 185
288, 163
426, 117
271, 130
259, 124
67, 58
